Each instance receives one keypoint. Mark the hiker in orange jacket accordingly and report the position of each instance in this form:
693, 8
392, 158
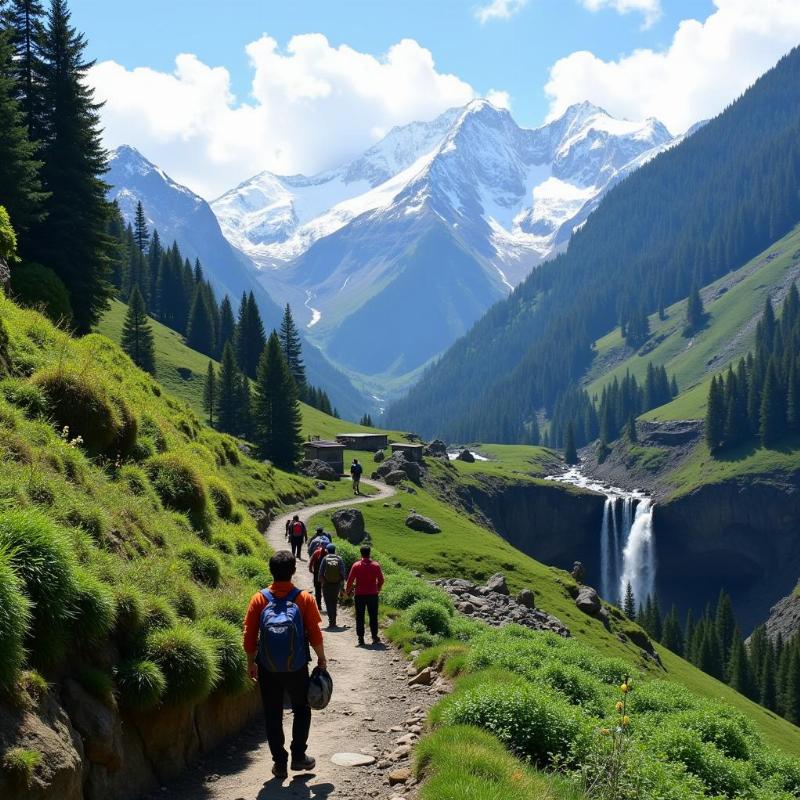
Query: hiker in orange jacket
278, 656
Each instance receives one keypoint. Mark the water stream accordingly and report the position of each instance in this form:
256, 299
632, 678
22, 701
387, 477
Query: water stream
627, 539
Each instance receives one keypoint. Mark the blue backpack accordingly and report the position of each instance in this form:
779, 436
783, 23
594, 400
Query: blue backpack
282, 645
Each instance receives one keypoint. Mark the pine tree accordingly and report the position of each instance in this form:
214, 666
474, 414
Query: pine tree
228, 394
200, 333
227, 325
767, 695
629, 602
725, 624
688, 636
570, 452
137, 335
24, 21
140, 233
72, 240
630, 430
154, 255
772, 410
20, 187
672, 637
715, 415
656, 622
250, 339
292, 349
276, 411
738, 670
695, 313
792, 687
245, 408
673, 386
210, 393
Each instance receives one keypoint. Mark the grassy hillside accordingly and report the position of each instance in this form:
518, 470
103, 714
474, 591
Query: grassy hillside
182, 372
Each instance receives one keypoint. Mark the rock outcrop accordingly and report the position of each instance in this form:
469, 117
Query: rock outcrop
466, 456
588, 601
417, 522
497, 609
315, 468
349, 524
784, 618
399, 463
497, 583
436, 449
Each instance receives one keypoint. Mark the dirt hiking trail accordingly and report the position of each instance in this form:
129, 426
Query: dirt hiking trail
373, 711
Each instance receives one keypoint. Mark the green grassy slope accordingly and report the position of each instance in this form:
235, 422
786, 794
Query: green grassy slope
732, 303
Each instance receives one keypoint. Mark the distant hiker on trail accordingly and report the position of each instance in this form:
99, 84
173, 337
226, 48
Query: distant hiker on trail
331, 575
319, 544
280, 624
355, 473
297, 534
320, 537
367, 577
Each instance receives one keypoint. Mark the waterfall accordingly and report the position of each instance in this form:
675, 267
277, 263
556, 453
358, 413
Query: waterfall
606, 545
638, 555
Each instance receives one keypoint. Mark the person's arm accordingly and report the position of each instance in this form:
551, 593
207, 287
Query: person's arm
251, 626
311, 622
341, 568
351, 579
380, 577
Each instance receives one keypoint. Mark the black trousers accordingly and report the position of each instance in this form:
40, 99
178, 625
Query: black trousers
330, 591
318, 594
366, 603
295, 684
296, 543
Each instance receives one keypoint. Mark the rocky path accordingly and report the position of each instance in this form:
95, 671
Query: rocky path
373, 712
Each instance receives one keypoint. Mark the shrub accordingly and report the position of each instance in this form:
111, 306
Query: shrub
243, 546
728, 730
5, 360
20, 764
465, 629
427, 615
81, 406
127, 430
39, 552
141, 684
179, 485
24, 395
158, 615
254, 569
94, 608
661, 696
203, 564
530, 720
184, 601
130, 613
33, 684
224, 544
221, 497
152, 430
230, 609
39, 287
578, 687
404, 590
14, 619
231, 658
91, 518
188, 660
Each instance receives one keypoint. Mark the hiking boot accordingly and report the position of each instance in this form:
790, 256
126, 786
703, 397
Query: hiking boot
280, 771
305, 763
360, 641
376, 640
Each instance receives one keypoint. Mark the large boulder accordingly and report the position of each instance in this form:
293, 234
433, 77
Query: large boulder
98, 724
315, 468
437, 448
395, 477
527, 598
349, 524
466, 455
379, 456
578, 572
588, 601
497, 583
423, 524
399, 463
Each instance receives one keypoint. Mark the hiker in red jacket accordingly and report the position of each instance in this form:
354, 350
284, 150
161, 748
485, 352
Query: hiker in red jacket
367, 577
313, 565
297, 534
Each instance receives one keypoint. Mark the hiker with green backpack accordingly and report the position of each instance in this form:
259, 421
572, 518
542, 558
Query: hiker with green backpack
331, 576
281, 625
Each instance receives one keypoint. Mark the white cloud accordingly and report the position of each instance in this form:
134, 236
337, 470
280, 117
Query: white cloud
311, 107
705, 67
499, 9
499, 98
651, 9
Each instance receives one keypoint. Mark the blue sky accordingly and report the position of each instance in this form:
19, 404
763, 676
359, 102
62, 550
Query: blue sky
513, 55
214, 92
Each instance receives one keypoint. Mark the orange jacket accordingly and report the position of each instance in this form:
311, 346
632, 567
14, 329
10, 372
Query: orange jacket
308, 610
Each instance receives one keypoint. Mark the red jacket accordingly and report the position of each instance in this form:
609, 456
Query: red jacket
367, 577
313, 562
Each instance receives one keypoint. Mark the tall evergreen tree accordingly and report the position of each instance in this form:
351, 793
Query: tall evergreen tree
629, 602
137, 335
154, 255
695, 313
72, 240
276, 411
725, 624
292, 350
227, 325
24, 20
570, 452
210, 393
672, 637
245, 408
20, 187
200, 334
791, 690
772, 408
738, 670
228, 394
141, 234
715, 415
767, 690
250, 337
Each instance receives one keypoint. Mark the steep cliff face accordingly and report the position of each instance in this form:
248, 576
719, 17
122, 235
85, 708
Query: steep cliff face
741, 535
554, 523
